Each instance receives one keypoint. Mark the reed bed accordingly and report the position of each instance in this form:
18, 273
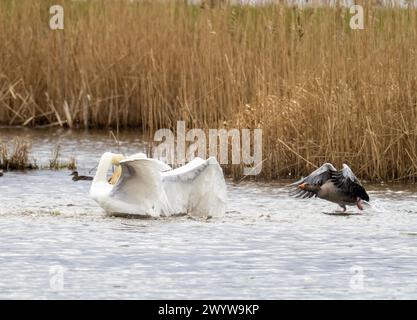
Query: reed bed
56, 163
17, 158
319, 90
16, 155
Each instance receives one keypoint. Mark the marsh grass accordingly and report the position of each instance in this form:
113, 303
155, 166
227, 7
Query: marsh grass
16, 155
18, 158
56, 163
319, 90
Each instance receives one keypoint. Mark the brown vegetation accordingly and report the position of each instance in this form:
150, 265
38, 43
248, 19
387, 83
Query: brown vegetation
319, 90
18, 158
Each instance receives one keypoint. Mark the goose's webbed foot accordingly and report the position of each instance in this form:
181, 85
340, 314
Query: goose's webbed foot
359, 203
343, 208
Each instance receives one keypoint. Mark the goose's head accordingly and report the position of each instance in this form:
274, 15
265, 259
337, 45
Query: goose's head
106, 161
309, 187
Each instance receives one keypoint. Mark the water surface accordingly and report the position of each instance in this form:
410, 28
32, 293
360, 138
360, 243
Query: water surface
55, 242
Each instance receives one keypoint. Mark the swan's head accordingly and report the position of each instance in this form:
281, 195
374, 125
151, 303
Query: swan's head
115, 160
107, 159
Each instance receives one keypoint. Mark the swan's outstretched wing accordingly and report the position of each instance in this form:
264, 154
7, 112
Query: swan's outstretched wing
202, 182
162, 165
346, 180
140, 186
139, 155
117, 171
317, 177
188, 172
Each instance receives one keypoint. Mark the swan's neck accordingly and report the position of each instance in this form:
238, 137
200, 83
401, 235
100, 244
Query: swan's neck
103, 167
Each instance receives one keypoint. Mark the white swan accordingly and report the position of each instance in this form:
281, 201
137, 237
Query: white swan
150, 187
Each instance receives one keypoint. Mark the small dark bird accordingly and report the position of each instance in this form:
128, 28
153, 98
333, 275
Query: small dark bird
76, 177
1, 173
341, 187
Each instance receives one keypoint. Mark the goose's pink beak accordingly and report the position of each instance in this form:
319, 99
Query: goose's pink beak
302, 186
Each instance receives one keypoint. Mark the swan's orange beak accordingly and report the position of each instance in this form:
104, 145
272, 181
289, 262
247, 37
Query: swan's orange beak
302, 186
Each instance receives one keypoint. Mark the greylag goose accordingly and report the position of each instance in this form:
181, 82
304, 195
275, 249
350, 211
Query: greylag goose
76, 177
341, 187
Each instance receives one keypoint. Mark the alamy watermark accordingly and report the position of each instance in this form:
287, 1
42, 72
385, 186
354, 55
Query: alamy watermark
357, 280
56, 21
357, 21
174, 149
56, 278
184, 146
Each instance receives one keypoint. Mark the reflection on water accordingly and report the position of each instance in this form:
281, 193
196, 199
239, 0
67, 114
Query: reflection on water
56, 243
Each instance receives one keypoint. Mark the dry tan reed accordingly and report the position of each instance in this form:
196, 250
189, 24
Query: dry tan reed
18, 157
56, 163
319, 90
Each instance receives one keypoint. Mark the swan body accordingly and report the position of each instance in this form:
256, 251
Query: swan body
148, 187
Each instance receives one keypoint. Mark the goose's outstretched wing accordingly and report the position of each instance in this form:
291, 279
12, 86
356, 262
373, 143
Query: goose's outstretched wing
317, 177
140, 186
346, 180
